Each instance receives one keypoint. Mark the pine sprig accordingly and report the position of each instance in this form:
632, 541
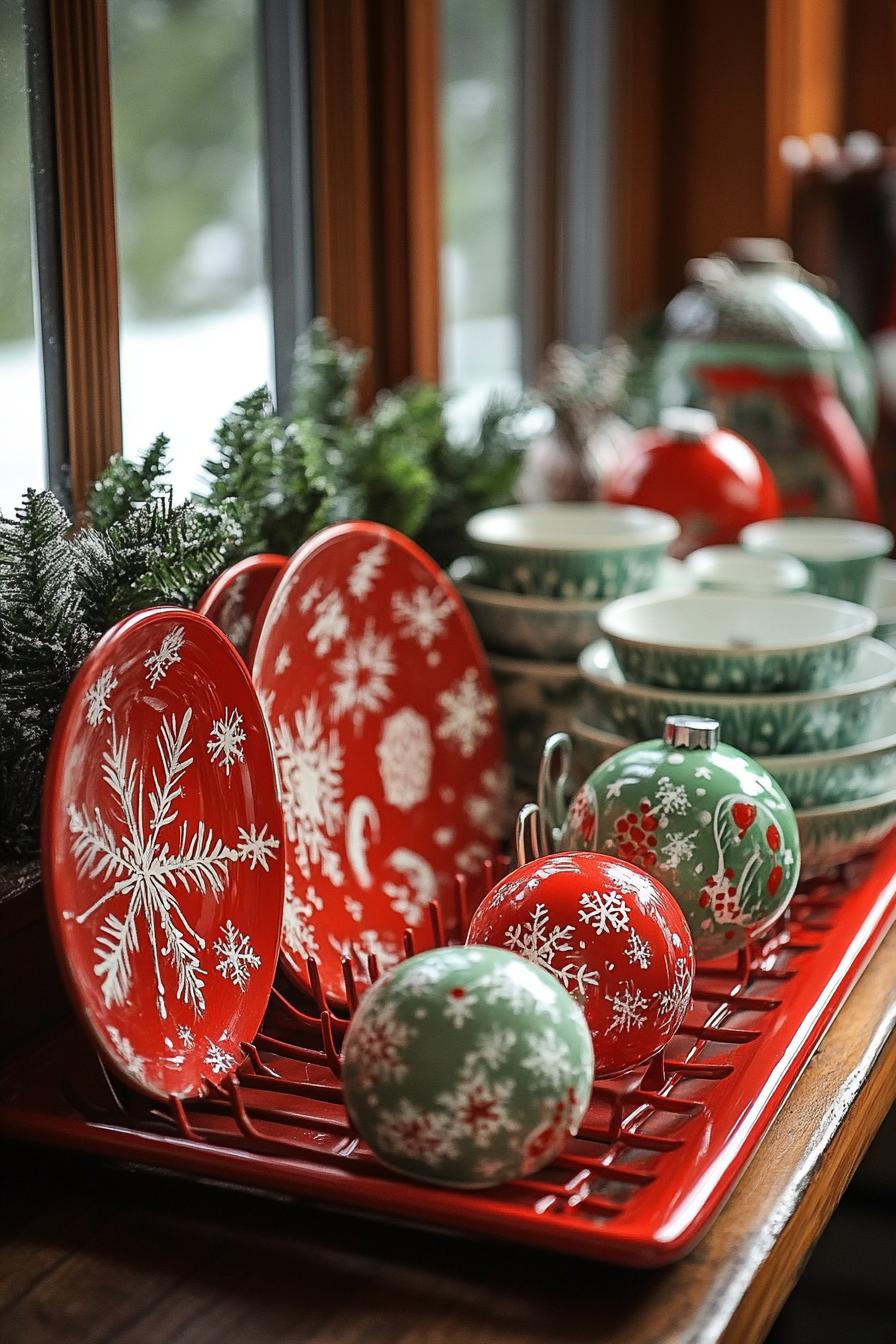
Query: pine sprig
325, 377
123, 484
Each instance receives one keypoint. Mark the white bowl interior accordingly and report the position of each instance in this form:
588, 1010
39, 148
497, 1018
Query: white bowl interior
712, 621
882, 593
572, 527
734, 567
818, 538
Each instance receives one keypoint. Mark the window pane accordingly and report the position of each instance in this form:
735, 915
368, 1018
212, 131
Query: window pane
195, 306
480, 333
22, 453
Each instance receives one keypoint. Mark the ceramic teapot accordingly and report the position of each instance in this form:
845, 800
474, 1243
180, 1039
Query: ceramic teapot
755, 340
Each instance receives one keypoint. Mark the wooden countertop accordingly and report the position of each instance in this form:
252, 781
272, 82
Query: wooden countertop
90, 1252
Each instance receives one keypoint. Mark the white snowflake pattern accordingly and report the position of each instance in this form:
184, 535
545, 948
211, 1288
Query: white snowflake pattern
282, 661
614, 788
629, 1008
362, 672
256, 847
421, 615
186, 1037
603, 911
330, 623
238, 959
517, 998
577, 980
548, 1056
677, 849
136, 1064
157, 664
310, 763
308, 598
218, 1059
97, 697
353, 908
298, 930
467, 713
671, 800
492, 1047
538, 940
459, 1006
477, 1108
225, 743
380, 1038
420, 1135
366, 571
673, 1003
142, 866
404, 753
638, 951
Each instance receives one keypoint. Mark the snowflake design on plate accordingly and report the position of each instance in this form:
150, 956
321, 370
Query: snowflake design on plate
310, 762
330, 623
603, 911
141, 865
218, 1059
629, 1008
160, 662
238, 959
283, 661
96, 698
467, 712
225, 743
404, 753
186, 1037
674, 1002
362, 673
136, 1064
256, 847
366, 571
421, 615
299, 933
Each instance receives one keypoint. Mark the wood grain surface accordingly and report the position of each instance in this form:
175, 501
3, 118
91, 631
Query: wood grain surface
94, 1253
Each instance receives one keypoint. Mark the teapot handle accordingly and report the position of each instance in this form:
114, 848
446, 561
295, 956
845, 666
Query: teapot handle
553, 773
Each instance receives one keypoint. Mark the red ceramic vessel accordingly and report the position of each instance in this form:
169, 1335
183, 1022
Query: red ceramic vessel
236, 597
386, 734
163, 852
612, 935
710, 479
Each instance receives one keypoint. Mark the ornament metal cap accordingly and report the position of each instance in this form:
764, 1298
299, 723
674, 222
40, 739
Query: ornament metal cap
686, 730
688, 422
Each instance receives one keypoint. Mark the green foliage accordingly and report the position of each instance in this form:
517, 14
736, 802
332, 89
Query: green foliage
123, 484
58, 594
43, 639
325, 377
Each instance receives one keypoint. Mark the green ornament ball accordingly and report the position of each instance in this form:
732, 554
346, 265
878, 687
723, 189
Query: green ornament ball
707, 821
467, 1066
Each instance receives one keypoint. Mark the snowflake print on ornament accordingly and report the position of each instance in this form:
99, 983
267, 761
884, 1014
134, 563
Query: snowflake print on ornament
611, 935
466, 710
225, 743
96, 698
165, 656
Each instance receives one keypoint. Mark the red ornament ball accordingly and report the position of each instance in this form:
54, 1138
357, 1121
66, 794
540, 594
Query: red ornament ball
612, 935
711, 480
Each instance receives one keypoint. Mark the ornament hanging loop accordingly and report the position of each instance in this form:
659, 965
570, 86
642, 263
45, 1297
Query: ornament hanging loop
553, 774
527, 834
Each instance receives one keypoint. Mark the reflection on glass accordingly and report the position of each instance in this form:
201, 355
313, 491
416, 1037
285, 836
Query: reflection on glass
195, 308
480, 333
22, 455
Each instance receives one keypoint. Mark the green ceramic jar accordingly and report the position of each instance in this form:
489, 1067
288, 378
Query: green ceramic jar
467, 1066
705, 820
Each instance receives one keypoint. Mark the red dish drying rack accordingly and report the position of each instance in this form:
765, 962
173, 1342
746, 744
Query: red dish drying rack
655, 1160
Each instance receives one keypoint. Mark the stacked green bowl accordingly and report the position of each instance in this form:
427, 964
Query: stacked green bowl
535, 583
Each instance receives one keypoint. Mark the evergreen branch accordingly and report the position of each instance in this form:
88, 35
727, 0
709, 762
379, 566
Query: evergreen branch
124, 484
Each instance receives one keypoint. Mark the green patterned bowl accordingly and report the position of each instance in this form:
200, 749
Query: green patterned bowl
835, 834
839, 553
812, 779
571, 551
541, 627
882, 599
763, 725
536, 699
753, 642
736, 570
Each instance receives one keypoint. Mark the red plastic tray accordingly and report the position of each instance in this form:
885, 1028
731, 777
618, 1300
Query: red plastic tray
655, 1161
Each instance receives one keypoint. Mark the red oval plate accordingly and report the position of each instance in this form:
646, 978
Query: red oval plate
163, 854
387, 739
235, 598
